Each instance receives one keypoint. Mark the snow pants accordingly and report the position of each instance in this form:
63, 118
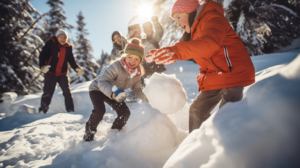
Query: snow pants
49, 88
98, 99
206, 101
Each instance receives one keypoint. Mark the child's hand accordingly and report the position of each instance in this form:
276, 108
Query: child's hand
45, 68
165, 56
149, 56
80, 71
119, 95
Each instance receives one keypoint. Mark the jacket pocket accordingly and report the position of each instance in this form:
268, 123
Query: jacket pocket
214, 66
227, 58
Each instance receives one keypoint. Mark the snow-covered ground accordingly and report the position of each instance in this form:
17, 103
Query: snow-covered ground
262, 130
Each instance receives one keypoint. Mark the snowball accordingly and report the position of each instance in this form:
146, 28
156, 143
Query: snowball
165, 93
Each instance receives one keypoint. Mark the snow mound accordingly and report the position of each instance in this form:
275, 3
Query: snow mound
165, 93
259, 131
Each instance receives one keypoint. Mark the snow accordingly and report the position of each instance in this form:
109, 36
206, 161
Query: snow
165, 93
260, 131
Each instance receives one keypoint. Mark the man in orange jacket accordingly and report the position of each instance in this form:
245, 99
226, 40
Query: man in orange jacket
209, 39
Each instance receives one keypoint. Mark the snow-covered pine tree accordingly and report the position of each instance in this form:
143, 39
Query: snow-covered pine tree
19, 48
265, 25
83, 53
55, 20
104, 60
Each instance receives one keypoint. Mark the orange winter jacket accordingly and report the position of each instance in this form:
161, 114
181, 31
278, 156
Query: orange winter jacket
219, 51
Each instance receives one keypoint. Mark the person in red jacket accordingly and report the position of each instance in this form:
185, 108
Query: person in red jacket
209, 39
54, 59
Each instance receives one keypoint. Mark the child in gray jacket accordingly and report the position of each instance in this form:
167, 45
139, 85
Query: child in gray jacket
109, 87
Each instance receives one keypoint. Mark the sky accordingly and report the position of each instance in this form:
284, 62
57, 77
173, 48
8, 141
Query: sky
101, 17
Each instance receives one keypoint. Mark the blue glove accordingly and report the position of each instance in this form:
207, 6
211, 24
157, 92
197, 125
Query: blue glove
119, 95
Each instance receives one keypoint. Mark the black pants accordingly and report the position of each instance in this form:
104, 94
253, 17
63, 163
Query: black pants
98, 99
49, 88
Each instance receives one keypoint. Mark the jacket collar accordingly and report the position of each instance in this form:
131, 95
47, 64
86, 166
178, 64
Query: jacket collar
133, 72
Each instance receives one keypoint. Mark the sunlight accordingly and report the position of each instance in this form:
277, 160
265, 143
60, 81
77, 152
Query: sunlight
145, 11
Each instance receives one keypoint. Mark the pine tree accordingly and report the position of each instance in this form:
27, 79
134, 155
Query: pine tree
19, 48
105, 60
265, 25
55, 20
83, 53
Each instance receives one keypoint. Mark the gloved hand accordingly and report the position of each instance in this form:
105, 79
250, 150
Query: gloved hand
45, 68
79, 71
149, 56
163, 56
119, 95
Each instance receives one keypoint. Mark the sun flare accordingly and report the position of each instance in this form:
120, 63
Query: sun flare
145, 11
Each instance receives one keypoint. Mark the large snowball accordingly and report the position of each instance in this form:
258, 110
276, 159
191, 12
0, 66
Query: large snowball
165, 93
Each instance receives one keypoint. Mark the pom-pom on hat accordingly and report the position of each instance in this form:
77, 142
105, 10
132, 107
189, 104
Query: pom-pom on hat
135, 48
61, 31
185, 6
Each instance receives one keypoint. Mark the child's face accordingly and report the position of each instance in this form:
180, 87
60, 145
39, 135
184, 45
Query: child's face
62, 39
132, 61
182, 20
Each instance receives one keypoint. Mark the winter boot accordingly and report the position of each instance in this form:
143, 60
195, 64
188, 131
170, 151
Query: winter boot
90, 128
88, 137
43, 109
70, 110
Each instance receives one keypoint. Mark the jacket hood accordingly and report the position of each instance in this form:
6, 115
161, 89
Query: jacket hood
196, 16
212, 6
55, 41
208, 6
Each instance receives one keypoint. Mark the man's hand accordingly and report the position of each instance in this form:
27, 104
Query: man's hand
45, 68
79, 71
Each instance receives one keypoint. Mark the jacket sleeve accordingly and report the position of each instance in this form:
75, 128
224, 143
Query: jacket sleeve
72, 61
212, 35
45, 53
113, 54
159, 31
137, 90
106, 79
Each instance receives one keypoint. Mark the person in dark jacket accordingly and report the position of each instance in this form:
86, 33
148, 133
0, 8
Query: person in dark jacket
119, 43
54, 59
151, 42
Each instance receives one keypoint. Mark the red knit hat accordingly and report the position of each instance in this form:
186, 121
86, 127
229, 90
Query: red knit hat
185, 6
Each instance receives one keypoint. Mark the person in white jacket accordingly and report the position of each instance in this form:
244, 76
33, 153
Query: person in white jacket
110, 86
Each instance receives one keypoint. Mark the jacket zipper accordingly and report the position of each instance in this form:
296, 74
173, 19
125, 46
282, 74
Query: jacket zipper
227, 58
